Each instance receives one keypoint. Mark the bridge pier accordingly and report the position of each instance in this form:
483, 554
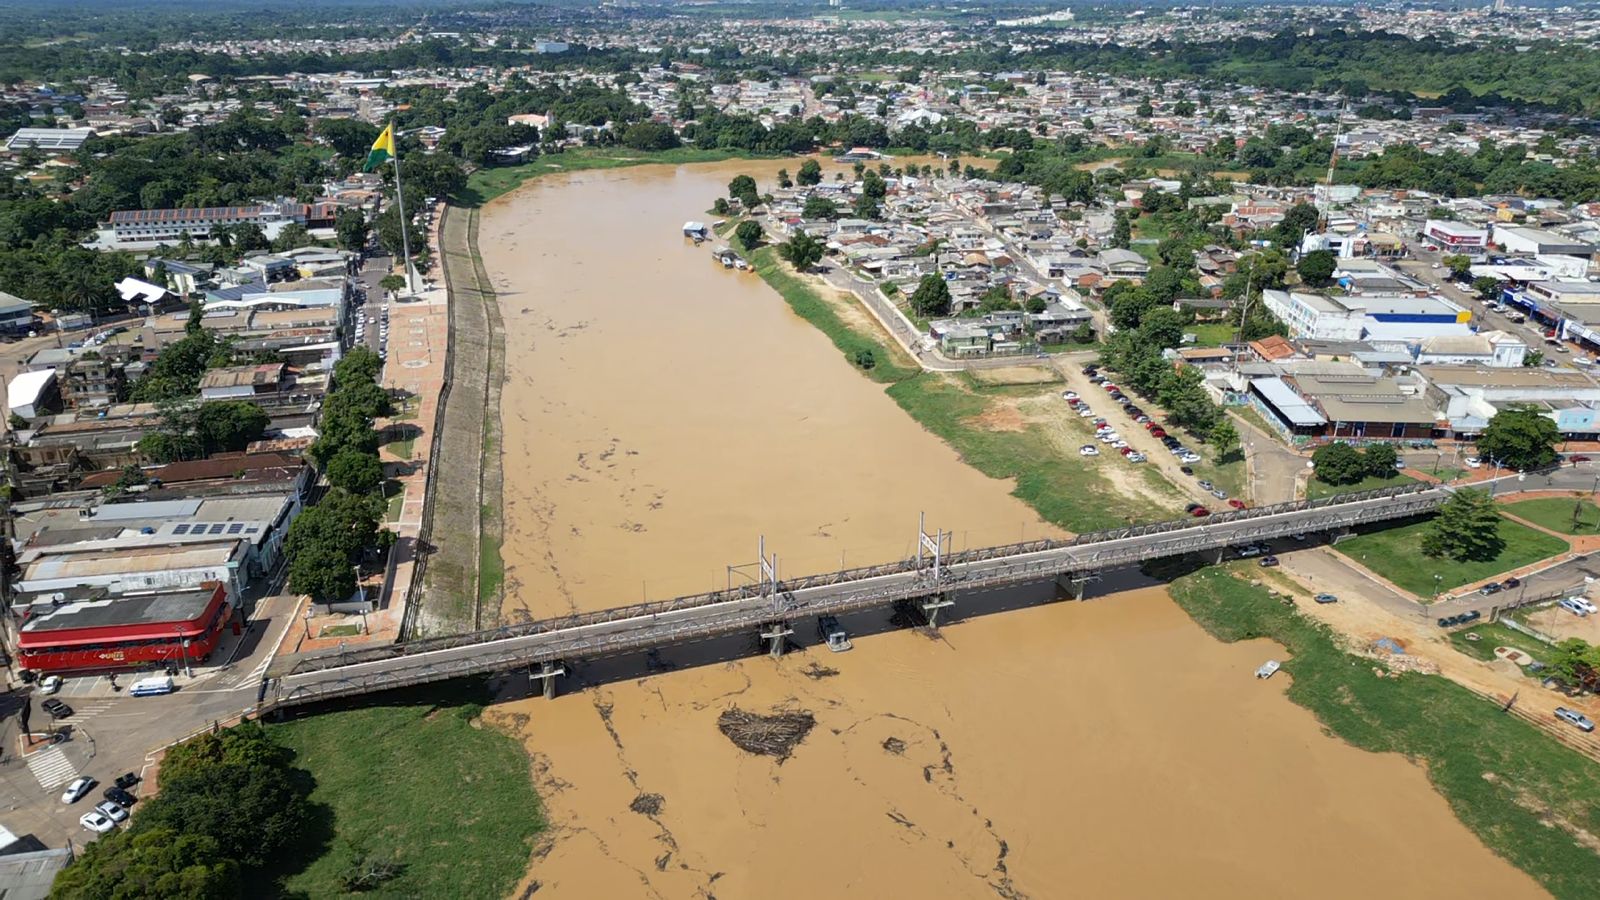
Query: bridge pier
1071, 583
548, 673
777, 633
932, 605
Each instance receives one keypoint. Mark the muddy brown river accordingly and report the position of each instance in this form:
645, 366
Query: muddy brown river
660, 414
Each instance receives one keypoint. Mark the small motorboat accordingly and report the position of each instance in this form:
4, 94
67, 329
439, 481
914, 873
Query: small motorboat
1267, 669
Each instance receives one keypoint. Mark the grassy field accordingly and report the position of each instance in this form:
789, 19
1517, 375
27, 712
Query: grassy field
891, 365
1396, 554
419, 783
1520, 791
1063, 489
1212, 334
1316, 490
1555, 513
486, 184
491, 569
394, 500
1494, 635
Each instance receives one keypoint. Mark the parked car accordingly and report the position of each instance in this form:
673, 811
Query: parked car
1236, 504
1200, 512
1474, 462
56, 708
1574, 718
1326, 598
1186, 470
1220, 494
1119, 444
1299, 536
1578, 459
1125, 450
1249, 550
96, 821
1490, 589
1584, 604
1085, 412
1136, 457
1268, 562
1069, 395
1511, 582
112, 811
127, 780
75, 791
50, 684
1090, 370
1088, 450
119, 796
1570, 604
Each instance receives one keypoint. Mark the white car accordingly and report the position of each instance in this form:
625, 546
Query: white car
77, 789
1474, 463
1070, 395
96, 822
1085, 412
1579, 605
1135, 457
50, 684
112, 811
1118, 444
1088, 450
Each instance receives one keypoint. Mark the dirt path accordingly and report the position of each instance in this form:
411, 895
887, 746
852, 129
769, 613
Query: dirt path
1184, 487
1366, 612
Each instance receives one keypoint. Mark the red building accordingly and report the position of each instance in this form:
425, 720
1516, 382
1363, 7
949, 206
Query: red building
107, 631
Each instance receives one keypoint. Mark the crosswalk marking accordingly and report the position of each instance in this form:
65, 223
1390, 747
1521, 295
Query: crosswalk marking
51, 767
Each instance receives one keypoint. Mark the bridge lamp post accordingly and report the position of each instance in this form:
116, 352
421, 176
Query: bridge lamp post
1436, 579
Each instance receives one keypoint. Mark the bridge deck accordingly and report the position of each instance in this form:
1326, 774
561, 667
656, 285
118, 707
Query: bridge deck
642, 626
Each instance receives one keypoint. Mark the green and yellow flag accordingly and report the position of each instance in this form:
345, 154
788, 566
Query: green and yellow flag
382, 149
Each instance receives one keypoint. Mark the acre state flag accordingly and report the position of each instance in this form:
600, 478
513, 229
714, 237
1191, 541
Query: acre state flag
382, 149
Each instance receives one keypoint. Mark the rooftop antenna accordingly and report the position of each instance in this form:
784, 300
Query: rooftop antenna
1333, 162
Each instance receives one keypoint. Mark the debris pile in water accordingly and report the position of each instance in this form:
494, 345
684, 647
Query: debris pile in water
776, 734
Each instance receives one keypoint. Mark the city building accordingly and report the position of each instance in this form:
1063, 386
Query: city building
1315, 316
1456, 237
51, 140
98, 628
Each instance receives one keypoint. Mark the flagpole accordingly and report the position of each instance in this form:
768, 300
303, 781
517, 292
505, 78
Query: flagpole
405, 231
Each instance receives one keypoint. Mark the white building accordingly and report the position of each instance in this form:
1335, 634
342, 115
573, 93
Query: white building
1495, 349
1456, 237
1314, 316
1523, 241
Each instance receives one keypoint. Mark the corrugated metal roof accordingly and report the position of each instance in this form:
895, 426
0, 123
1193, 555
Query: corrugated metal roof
154, 509
1285, 400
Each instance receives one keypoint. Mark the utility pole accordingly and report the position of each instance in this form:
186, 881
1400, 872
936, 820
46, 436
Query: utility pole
405, 224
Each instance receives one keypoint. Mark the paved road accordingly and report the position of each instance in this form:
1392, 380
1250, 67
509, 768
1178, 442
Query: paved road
371, 308
1421, 267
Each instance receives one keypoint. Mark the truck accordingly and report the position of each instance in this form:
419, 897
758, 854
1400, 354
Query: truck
832, 633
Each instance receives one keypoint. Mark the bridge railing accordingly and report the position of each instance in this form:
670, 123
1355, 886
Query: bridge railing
844, 576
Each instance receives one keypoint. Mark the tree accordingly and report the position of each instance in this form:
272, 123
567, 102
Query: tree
350, 227
748, 233
931, 298
1488, 289
819, 207
784, 181
1519, 438
1224, 437
801, 251
1574, 661
150, 863
392, 283
1316, 268
743, 189
1467, 528
1122, 232
388, 225
229, 425
1162, 327
1338, 463
1459, 264
1380, 460
810, 174
356, 472
649, 136
1297, 221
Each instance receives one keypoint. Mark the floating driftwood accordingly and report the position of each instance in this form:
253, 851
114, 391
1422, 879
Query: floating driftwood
775, 735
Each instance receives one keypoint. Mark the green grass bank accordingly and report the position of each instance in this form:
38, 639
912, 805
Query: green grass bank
1523, 794
1574, 516
422, 783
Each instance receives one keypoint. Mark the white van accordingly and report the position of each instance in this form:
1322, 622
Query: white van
152, 686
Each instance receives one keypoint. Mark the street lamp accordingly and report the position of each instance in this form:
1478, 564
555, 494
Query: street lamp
1436, 579
183, 648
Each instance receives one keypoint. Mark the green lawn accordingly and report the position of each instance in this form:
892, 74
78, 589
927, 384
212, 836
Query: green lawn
1063, 489
412, 779
1316, 490
491, 567
1212, 334
1492, 635
339, 631
486, 184
1396, 554
1456, 737
395, 500
1229, 475
1556, 514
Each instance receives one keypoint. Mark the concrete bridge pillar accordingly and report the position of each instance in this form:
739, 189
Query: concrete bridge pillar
548, 673
776, 632
932, 605
1070, 583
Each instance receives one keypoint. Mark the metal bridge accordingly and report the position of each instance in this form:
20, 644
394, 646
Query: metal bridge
930, 580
